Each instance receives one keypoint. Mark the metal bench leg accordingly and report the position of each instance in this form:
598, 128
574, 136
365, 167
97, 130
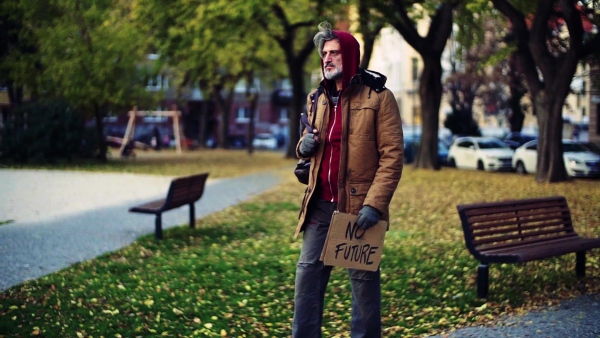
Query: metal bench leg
483, 275
192, 216
580, 263
158, 226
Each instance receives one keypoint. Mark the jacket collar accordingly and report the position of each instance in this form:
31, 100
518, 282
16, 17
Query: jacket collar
372, 79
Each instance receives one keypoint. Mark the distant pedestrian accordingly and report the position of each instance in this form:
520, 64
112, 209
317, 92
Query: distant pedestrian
129, 149
157, 139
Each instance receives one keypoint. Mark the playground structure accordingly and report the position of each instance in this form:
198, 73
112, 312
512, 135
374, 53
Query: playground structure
173, 114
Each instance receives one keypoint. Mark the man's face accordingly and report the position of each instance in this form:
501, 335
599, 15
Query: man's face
332, 60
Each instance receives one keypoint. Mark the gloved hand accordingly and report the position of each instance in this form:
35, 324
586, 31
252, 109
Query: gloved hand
309, 145
368, 217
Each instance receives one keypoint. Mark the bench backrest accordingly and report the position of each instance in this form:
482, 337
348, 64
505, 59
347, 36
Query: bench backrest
499, 225
185, 190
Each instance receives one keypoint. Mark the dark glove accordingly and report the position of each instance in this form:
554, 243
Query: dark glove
309, 145
368, 217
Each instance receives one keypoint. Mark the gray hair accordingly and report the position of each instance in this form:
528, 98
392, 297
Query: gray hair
325, 34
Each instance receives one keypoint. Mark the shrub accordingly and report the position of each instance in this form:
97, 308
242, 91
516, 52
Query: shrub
46, 131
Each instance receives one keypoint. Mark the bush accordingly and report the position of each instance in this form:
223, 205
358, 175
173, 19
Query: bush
46, 131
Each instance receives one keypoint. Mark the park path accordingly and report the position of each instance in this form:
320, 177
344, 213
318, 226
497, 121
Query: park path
51, 219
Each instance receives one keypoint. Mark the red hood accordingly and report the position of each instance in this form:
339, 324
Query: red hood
350, 57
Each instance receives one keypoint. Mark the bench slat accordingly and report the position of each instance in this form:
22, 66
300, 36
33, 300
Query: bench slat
510, 206
515, 245
149, 207
520, 226
508, 219
534, 251
185, 189
505, 234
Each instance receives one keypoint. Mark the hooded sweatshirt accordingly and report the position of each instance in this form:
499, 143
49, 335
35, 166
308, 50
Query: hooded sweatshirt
330, 166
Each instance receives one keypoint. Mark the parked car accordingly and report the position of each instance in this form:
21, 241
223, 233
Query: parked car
411, 147
593, 147
482, 153
264, 141
515, 139
579, 160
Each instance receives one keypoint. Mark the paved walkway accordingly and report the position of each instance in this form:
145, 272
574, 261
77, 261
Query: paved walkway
57, 218
575, 318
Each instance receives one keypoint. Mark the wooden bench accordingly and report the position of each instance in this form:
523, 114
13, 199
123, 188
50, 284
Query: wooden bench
520, 231
182, 191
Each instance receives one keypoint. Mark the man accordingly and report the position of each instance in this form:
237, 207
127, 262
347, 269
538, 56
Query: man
355, 146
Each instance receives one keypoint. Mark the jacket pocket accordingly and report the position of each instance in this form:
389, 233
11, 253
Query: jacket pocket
363, 120
357, 192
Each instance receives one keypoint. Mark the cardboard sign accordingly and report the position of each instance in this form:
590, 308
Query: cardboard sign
349, 246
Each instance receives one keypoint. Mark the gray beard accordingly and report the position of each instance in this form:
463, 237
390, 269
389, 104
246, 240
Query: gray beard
333, 75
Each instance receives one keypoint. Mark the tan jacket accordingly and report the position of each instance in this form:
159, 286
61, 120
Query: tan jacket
372, 150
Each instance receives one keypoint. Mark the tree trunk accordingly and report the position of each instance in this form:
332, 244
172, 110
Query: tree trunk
202, 122
203, 117
516, 117
368, 44
15, 94
298, 101
102, 146
252, 98
430, 93
517, 91
223, 107
550, 163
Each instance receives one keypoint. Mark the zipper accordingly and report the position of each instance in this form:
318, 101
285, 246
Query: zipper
331, 148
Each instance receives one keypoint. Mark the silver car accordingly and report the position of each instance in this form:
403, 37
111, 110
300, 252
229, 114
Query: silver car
579, 160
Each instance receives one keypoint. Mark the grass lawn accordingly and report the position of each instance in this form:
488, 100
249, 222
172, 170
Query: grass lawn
220, 163
233, 275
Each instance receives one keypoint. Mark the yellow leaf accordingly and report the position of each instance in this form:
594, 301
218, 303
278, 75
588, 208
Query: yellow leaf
177, 311
114, 312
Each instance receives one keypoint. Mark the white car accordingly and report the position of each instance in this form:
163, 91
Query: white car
482, 153
265, 141
579, 160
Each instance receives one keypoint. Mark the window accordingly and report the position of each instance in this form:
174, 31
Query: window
415, 69
243, 114
157, 83
491, 144
283, 114
465, 144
